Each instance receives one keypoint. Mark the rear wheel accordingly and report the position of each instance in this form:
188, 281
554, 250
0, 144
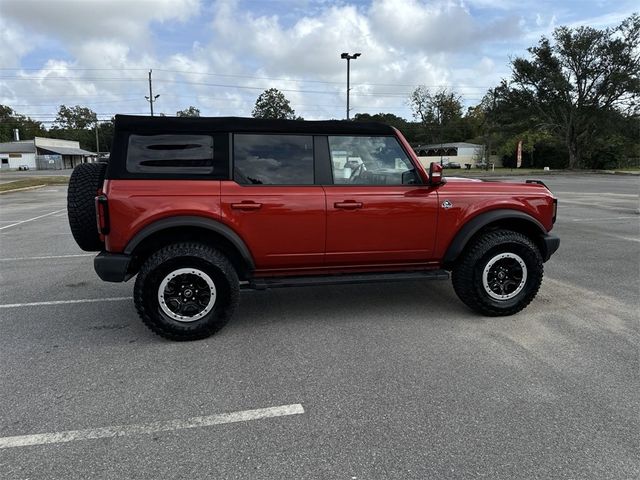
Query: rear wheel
86, 179
500, 273
186, 291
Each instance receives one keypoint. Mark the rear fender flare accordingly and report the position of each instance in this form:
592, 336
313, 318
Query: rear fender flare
473, 226
193, 221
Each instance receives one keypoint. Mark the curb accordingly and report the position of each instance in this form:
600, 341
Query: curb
22, 189
617, 172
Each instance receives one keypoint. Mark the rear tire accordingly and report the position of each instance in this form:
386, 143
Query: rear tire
186, 291
86, 179
499, 274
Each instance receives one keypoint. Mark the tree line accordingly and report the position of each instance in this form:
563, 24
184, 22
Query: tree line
572, 102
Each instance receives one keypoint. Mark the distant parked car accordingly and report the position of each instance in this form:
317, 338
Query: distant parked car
23, 167
452, 165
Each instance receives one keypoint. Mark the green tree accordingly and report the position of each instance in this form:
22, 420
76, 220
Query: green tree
573, 84
75, 118
273, 104
439, 112
440, 108
10, 120
188, 112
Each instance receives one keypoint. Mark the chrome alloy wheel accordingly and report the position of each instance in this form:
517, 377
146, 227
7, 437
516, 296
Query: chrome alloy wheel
504, 276
187, 294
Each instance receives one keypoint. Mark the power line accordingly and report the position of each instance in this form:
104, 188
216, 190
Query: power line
231, 75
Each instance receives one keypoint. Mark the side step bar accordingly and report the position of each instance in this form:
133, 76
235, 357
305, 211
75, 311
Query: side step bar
310, 281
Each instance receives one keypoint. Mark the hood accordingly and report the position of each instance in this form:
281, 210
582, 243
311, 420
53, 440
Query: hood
462, 179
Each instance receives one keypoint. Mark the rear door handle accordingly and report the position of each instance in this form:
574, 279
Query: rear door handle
348, 205
246, 206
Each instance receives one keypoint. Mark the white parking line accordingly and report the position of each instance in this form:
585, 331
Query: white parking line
46, 257
602, 219
590, 194
147, 428
32, 219
621, 237
599, 206
65, 302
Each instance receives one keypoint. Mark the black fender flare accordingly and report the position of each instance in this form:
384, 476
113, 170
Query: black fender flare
474, 225
193, 221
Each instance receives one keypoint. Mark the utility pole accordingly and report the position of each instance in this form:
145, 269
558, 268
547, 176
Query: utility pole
151, 98
348, 58
97, 142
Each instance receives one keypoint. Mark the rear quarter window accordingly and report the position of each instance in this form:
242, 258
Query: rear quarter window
172, 154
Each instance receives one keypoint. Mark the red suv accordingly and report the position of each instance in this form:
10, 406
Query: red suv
199, 208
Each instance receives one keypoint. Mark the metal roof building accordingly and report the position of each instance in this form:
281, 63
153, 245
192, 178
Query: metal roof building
42, 153
463, 153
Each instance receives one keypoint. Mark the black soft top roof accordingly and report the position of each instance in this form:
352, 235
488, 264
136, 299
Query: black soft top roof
146, 124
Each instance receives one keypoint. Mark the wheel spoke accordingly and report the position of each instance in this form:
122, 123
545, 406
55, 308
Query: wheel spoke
503, 276
187, 294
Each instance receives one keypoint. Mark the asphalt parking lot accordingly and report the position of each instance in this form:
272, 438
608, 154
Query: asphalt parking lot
353, 382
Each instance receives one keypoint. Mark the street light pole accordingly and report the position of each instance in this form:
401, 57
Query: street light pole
348, 58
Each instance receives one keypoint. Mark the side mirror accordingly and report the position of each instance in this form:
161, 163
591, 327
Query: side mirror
410, 177
435, 174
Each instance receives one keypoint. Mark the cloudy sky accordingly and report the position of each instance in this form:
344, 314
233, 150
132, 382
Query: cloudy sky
219, 55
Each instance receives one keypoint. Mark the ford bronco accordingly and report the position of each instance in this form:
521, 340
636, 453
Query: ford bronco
199, 208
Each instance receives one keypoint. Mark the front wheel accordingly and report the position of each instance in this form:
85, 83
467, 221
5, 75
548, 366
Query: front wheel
500, 273
186, 291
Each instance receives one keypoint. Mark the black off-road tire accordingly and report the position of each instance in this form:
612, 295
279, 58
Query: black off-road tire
86, 179
176, 257
467, 275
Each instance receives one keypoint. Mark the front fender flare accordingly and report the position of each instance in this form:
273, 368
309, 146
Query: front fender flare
474, 225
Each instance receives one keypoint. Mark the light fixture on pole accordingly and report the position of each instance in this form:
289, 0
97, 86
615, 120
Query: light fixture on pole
348, 58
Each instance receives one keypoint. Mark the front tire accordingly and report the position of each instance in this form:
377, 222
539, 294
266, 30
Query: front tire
186, 291
499, 274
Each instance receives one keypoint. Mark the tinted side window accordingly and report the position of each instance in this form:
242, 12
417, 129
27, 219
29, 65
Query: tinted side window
368, 160
273, 159
177, 154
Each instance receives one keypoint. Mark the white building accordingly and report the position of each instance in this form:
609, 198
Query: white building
17, 154
458, 152
43, 153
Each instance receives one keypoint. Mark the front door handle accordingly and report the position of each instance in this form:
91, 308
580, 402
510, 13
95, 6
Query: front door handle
348, 205
246, 206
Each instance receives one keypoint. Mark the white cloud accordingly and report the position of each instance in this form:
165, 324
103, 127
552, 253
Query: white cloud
13, 44
80, 20
403, 43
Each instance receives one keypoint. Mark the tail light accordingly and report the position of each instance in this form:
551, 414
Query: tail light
102, 214
555, 209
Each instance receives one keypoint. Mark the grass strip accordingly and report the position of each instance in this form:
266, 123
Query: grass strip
33, 182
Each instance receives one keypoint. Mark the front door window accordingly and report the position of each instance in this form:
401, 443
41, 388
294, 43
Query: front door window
365, 160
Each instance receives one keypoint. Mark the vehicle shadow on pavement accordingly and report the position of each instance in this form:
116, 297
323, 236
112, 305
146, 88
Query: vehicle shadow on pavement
341, 303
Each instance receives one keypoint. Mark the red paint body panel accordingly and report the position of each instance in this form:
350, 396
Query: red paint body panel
287, 230
472, 198
392, 224
134, 204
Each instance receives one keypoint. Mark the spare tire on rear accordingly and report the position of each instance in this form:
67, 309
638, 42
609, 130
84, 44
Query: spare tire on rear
86, 179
